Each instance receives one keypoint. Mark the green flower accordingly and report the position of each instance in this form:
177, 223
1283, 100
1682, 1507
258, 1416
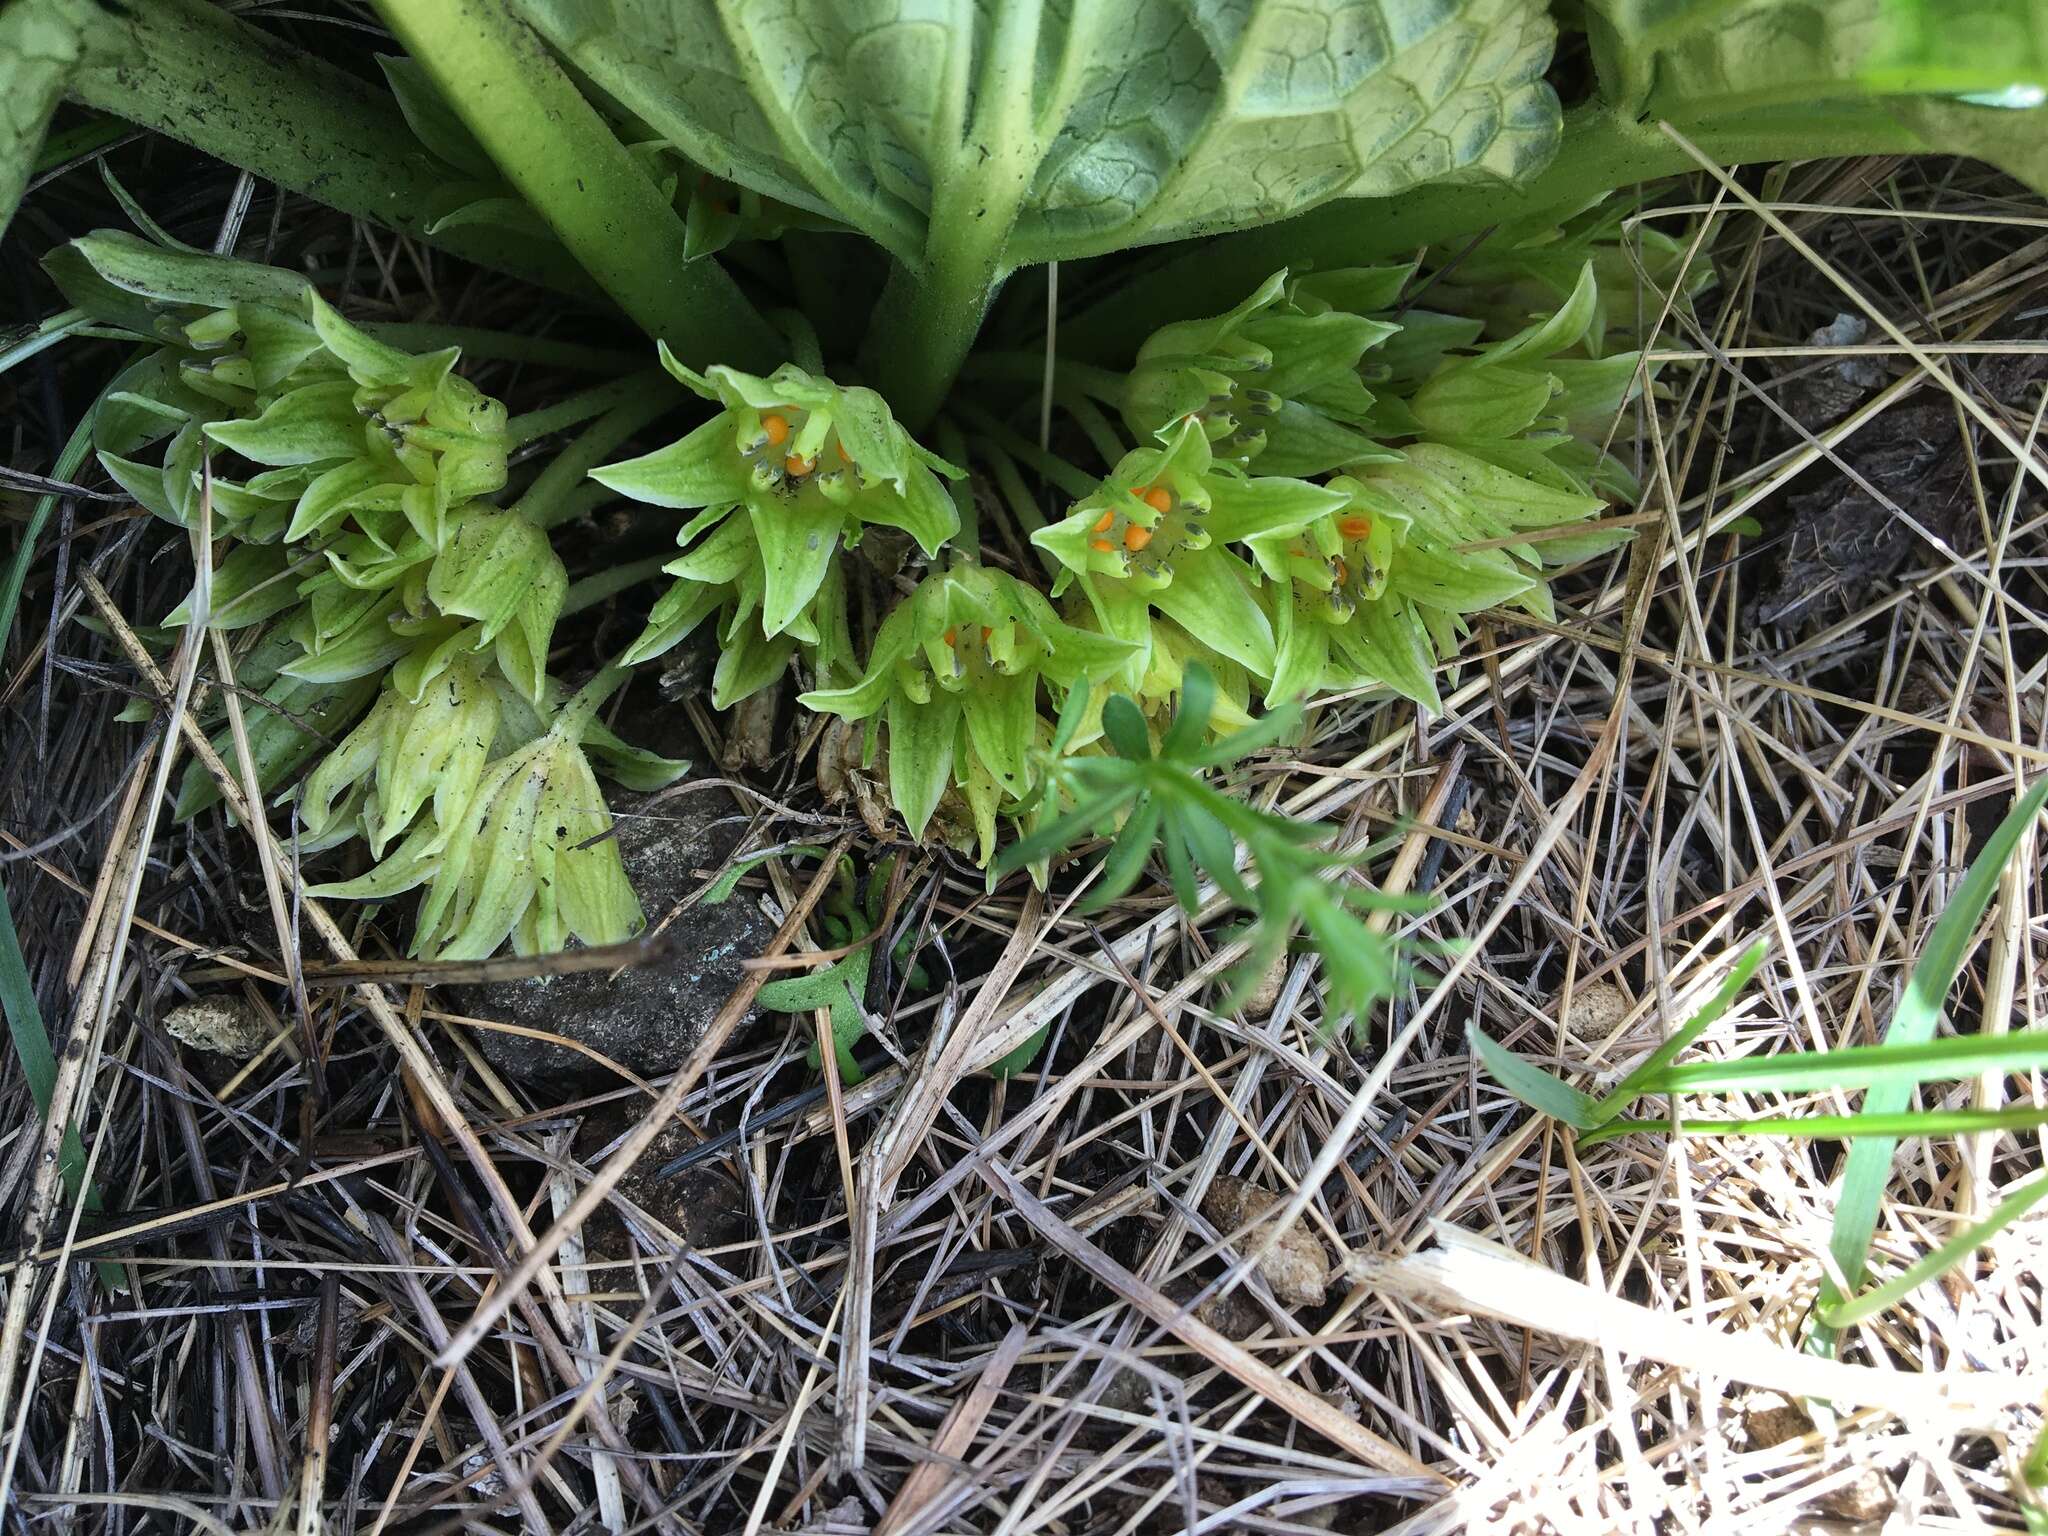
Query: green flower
1151, 538
344, 426
955, 674
724, 575
1374, 591
1276, 379
402, 754
527, 854
804, 465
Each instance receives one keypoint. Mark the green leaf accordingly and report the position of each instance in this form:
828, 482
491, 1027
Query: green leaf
1089, 129
797, 539
249, 586
1933, 1265
921, 742
1684, 59
41, 42
1869, 1167
701, 469
1126, 861
721, 889
1211, 599
1652, 1068
122, 278
1124, 725
1536, 1088
312, 423
492, 568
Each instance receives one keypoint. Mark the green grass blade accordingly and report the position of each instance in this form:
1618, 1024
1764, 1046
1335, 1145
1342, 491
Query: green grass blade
1869, 1167
1858, 1066
1888, 1126
1536, 1088
1636, 1084
26, 1030
1942, 1259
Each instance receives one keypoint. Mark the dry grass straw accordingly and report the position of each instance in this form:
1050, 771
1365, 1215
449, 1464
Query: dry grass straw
1025, 1322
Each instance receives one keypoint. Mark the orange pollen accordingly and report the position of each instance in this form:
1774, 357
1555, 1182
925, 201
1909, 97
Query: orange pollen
1159, 499
1102, 523
952, 637
986, 632
844, 456
1354, 527
1102, 544
776, 428
1343, 572
1136, 538
798, 467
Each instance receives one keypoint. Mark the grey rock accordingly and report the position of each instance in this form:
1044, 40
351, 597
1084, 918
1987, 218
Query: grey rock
650, 1016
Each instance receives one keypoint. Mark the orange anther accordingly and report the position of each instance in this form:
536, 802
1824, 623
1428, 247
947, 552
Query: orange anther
844, 456
952, 636
1102, 544
1354, 527
1136, 538
1159, 499
986, 632
798, 467
776, 428
1102, 523
1343, 572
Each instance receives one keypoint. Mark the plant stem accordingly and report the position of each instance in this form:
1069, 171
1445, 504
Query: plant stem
926, 320
565, 161
1601, 150
1101, 435
1105, 384
1023, 509
954, 447
548, 501
586, 403
594, 589
1074, 482
194, 72
583, 707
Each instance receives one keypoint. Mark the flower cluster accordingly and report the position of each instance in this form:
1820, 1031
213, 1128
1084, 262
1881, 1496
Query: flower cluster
955, 671
515, 845
1459, 465
789, 472
408, 619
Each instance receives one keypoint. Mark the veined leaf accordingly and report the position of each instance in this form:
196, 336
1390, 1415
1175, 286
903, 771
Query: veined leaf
1684, 59
40, 44
1080, 129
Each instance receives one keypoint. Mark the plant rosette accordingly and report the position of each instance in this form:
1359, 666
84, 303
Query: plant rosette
1150, 539
804, 465
955, 674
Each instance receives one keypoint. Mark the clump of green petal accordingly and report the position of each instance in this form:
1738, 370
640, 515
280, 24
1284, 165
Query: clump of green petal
517, 848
